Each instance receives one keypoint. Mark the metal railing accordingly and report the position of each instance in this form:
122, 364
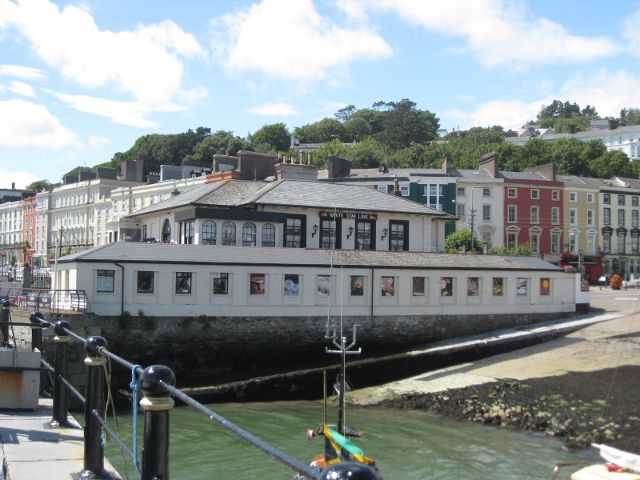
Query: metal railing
45, 300
157, 384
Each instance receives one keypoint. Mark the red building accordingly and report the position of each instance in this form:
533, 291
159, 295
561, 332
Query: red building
28, 229
533, 202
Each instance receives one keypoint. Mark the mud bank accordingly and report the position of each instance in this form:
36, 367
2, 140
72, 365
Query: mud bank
580, 408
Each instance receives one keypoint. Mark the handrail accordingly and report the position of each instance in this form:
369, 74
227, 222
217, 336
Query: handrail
48, 300
155, 380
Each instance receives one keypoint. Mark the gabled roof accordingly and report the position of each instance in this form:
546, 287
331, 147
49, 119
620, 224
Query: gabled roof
292, 193
164, 253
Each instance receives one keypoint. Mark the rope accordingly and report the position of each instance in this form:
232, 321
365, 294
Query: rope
135, 385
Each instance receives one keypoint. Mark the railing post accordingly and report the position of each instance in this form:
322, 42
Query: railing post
37, 322
60, 393
94, 402
5, 304
157, 403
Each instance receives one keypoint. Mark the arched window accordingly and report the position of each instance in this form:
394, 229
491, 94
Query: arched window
166, 231
268, 235
228, 233
248, 235
208, 233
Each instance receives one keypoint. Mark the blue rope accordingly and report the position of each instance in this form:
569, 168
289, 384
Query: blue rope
135, 385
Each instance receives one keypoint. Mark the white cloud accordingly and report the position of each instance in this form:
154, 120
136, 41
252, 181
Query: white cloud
608, 92
98, 141
500, 33
143, 63
274, 110
124, 113
631, 33
25, 73
24, 123
21, 178
21, 88
291, 40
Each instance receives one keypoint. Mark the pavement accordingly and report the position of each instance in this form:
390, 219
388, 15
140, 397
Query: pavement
608, 338
29, 449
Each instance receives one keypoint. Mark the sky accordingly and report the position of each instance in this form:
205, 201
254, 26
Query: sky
82, 80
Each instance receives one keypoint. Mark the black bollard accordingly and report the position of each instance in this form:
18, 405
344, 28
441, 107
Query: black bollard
157, 403
37, 322
60, 393
5, 305
94, 402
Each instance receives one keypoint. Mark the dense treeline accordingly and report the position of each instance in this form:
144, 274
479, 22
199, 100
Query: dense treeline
397, 134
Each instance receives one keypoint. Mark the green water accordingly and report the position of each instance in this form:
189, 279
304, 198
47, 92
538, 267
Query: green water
406, 445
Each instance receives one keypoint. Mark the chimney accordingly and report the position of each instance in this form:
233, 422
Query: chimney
396, 187
446, 162
613, 123
547, 170
572, 128
13, 185
338, 167
490, 163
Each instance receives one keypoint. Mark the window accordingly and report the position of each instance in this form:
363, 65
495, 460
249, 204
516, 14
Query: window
473, 286
166, 231
446, 286
381, 188
512, 213
329, 227
460, 191
634, 201
534, 242
357, 285
535, 215
404, 190
634, 218
555, 195
535, 194
590, 197
145, 282
606, 241
486, 213
460, 211
621, 243
257, 284
220, 283
573, 216
486, 237
104, 281
268, 235
228, 233
188, 232
606, 216
498, 286
418, 286
512, 193
388, 286
555, 215
183, 283
435, 194
635, 245
606, 198
621, 218
573, 243
590, 218
573, 196
249, 235
621, 200
398, 235
512, 240
208, 232
555, 243
486, 192
365, 233
294, 232
291, 286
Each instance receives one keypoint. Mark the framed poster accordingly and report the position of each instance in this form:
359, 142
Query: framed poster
388, 286
473, 289
257, 284
522, 287
357, 285
323, 285
498, 286
418, 286
446, 286
291, 285
545, 284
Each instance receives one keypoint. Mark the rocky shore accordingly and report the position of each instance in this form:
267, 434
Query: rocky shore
579, 407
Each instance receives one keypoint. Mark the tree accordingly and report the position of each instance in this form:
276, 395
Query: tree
630, 116
275, 137
221, 142
609, 164
41, 185
405, 125
344, 114
460, 242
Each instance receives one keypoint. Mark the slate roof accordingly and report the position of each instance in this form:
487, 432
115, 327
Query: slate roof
535, 176
163, 253
292, 193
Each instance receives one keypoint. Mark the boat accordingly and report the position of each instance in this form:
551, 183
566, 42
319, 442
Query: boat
620, 465
341, 457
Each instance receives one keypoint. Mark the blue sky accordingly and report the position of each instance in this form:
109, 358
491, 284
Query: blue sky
82, 80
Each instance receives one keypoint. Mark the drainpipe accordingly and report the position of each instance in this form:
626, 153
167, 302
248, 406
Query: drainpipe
121, 287
372, 273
